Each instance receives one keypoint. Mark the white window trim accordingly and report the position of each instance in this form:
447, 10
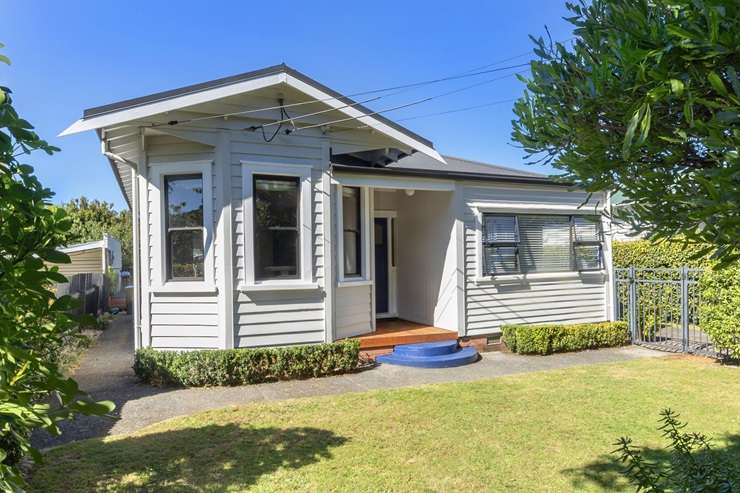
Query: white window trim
303, 173
570, 210
364, 277
159, 267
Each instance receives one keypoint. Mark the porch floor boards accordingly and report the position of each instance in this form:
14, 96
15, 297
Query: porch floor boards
393, 332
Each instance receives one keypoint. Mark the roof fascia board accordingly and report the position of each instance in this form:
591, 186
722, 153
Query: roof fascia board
449, 175
172, 104
91, 245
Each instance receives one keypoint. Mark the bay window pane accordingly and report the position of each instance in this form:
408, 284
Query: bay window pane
545, 243
186, 254
184, 226
351, 225
184, 200
276, 235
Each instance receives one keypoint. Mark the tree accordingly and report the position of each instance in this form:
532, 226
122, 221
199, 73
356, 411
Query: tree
690, 463
33, 392
646, 100
92, 218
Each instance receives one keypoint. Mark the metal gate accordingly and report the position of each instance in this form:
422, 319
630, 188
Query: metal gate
662, 309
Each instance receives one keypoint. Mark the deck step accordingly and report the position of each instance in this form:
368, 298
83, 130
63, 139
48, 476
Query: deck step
427, 349
419, 357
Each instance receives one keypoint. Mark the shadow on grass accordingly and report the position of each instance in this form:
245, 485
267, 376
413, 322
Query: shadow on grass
606, 471
208, 458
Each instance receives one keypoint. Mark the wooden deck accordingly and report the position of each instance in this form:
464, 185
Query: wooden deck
392, 332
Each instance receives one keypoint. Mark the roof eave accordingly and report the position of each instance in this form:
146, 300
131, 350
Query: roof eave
453, 175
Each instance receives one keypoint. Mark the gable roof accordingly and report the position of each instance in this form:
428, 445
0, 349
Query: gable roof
132, 109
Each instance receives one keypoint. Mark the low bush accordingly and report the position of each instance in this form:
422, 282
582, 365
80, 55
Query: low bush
229, 367
556, 338
689, 464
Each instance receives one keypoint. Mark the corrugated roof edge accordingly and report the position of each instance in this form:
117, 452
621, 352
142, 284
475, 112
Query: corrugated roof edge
233, 79
544, 180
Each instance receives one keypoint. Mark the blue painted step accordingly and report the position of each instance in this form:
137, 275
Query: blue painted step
445, 354
427, 348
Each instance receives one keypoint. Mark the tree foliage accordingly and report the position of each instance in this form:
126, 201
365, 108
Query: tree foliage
693, 466
646, 101
90, 219
33, 392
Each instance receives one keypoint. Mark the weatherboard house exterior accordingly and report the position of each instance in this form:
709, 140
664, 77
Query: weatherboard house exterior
270, 210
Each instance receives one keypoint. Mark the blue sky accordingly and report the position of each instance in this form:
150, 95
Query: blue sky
72, 55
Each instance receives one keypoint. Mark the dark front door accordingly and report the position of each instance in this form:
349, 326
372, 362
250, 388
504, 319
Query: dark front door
381, 265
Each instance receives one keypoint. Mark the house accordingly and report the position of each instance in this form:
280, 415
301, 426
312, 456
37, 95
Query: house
92, 257
271, 210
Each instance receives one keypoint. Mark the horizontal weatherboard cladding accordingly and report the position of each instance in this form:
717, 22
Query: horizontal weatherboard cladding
490, 304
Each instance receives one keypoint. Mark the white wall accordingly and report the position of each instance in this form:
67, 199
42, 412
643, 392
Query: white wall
177, 320
565, 297
427, 259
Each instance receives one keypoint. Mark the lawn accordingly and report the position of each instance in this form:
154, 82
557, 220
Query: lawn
546, 431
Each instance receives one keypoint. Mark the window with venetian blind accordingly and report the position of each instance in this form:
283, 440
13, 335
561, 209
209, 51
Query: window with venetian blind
527, 243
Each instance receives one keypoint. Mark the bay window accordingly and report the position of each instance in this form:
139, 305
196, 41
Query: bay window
278, 226
529, 243
184, 227
276, 233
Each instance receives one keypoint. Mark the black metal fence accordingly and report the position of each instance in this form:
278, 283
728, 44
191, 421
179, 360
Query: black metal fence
90, 289
662, 309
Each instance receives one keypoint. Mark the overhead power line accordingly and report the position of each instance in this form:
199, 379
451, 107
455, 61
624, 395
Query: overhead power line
343, 97
405, 105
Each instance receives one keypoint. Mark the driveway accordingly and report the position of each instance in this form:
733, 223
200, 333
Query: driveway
105, 372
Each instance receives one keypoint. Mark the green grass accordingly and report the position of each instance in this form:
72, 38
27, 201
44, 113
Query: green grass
547, 431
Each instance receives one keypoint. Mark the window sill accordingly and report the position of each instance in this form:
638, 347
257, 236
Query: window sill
542, 276
350, 283
185, 287
280, 286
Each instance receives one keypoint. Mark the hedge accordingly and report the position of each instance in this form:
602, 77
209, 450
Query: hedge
556, 338
719, 310
719, 288
228, 367
648, 254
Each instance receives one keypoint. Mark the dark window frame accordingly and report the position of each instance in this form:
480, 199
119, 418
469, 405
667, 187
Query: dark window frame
297, 229
359, 237
488, 270
574, 243
168, 230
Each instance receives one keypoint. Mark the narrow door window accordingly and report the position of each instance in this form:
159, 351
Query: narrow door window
352, 226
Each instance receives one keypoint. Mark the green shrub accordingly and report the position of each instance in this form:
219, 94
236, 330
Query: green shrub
648, 254
555, 338
689, 464
719, 310
245, 366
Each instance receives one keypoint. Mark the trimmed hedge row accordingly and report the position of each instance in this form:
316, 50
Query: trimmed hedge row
719, 310
556, 338
228, 367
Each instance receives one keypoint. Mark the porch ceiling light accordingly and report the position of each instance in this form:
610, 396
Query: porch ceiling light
410, 193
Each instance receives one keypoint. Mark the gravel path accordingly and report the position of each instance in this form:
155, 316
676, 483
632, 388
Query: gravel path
105, 372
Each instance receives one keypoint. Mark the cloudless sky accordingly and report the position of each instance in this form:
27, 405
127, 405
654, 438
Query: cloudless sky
72, 55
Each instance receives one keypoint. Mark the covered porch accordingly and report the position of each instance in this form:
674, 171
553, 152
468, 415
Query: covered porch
398, 278
391, 332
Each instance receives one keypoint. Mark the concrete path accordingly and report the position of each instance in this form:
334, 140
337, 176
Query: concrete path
105, 372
